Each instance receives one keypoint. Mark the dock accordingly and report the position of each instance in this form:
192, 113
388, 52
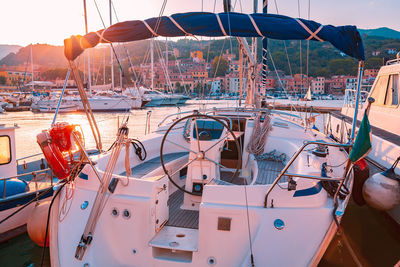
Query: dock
15, 109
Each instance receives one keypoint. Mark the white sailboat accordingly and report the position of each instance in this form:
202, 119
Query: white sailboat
230, 187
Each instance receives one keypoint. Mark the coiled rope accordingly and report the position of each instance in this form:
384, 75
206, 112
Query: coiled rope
259, 136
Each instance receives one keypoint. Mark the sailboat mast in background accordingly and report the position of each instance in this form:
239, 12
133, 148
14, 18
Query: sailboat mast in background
33, 86
111, 51
88, 51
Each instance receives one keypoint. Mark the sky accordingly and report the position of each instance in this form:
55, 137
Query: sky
51, 21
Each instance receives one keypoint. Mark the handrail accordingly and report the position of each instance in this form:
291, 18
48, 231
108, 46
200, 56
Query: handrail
294, 157
30, 156
216, 109
173, 114
312, 177
24, 174
4, 179
394, 61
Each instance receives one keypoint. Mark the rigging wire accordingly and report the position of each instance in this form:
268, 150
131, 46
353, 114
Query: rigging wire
126, 50
284, 44
300, 56
308, 43
180, 71
112, 46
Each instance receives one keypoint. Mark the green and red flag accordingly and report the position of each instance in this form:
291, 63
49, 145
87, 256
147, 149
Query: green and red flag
362, 145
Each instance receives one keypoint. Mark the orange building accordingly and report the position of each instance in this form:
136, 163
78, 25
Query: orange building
16, 77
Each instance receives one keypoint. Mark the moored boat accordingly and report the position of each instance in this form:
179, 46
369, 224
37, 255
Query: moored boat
19, 185
234, 187
384, 118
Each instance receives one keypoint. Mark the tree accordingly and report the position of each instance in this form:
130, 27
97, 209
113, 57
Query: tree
343, 66
219, 67
373, 63
3, 80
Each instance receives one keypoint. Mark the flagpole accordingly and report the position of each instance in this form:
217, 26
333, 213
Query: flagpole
360, 72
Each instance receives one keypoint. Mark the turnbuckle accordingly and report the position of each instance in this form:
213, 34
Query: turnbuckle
81, 248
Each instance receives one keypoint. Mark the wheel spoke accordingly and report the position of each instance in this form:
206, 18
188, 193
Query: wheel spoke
216, 163
185, 165
219, 141
198, 146
197, 134
188, 149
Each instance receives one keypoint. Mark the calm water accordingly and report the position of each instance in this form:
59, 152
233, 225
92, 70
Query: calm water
370, 238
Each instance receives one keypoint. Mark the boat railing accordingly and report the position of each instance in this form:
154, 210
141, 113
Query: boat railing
320, 178
30, 156
351, 94
35, 180
394, 61
227, 109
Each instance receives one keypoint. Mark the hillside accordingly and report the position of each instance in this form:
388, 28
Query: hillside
7, 49
43, 54
324, 59
381, 32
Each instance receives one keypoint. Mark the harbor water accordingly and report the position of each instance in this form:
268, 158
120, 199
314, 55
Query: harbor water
367, 238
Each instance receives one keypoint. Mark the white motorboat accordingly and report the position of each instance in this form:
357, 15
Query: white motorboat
384, 118
97, 103
240, 186
156, 98
19, 183
62, 109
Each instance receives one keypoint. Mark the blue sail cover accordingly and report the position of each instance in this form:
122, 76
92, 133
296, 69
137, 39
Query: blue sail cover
345, 38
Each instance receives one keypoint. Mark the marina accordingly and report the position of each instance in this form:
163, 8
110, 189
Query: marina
371, 237
237, 137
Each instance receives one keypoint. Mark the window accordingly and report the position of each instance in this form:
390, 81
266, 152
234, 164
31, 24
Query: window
379, 90
392, 93
5, 149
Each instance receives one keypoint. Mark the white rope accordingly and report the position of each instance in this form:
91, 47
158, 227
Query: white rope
150, 29
220, 25
259, 135
180, 27
101, 36
312, 34
255, 26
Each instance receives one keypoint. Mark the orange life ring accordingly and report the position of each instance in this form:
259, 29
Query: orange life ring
56, 144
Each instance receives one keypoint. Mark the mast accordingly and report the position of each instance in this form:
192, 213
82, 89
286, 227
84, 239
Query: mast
120, 70
166, 51
33, 86
88, 51
264, 52
251, 96
152, 63
104, 66
111, 52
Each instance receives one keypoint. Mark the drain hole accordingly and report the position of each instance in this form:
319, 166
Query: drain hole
180, 235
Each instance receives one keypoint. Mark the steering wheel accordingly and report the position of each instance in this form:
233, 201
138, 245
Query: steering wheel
200, 154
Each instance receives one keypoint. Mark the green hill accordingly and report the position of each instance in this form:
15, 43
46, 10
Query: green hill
324, 59
381, 32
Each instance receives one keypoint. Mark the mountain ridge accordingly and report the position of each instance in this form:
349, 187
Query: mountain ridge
381, 32
6, 49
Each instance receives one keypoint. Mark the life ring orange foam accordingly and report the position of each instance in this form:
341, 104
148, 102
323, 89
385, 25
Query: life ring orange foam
55, 159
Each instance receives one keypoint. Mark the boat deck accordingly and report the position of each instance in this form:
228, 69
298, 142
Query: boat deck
179, 217
268, 170
150, 165
388, 136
